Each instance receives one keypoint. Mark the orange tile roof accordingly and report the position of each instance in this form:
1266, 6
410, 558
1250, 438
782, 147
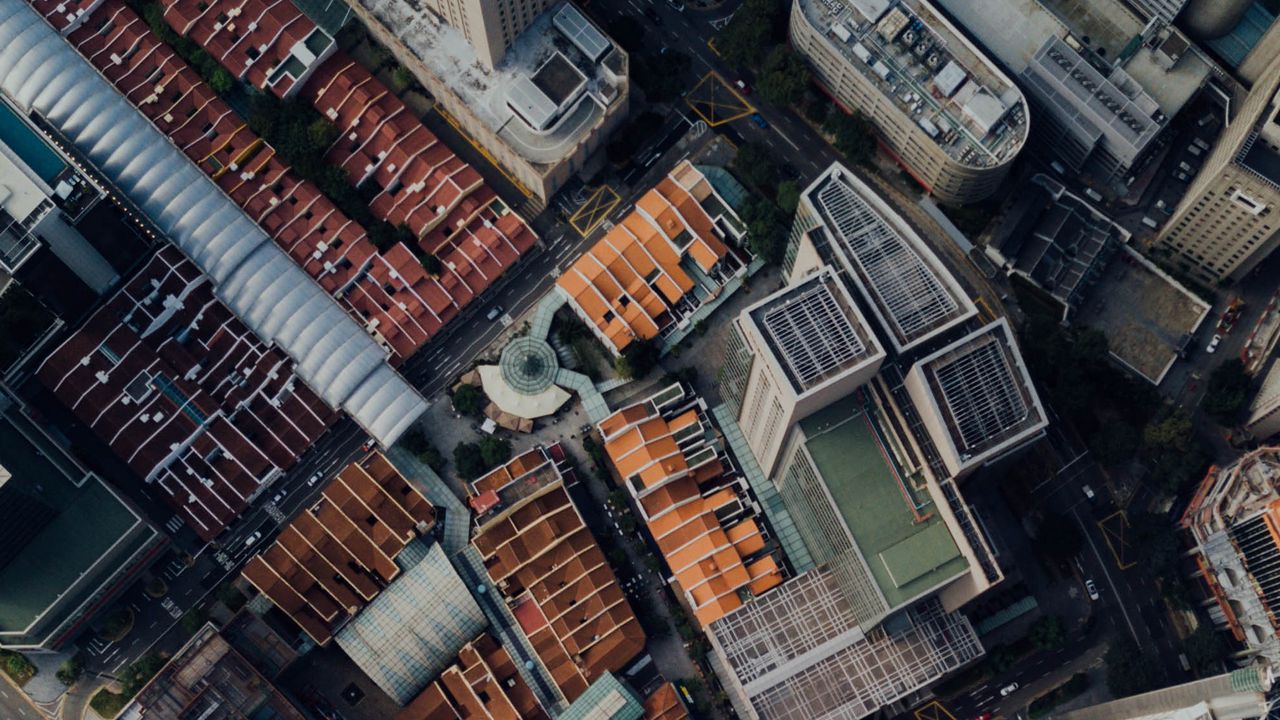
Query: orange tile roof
627, 282
483, 684
664, 704
333, 558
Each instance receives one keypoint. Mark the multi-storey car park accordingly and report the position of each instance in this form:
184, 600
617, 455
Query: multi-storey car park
948, 115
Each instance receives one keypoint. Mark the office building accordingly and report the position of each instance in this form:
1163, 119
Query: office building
69, 543
1264, 409
1227, 222
335, 558
552, 575
42, 196
543, 109
911, 294
1233, 519
1237, 695
695, 504
208, 679
185, 394
976, 398
949, 116
251, 274
1164, 10
483, 684
648, 275
1102, 82
792, 353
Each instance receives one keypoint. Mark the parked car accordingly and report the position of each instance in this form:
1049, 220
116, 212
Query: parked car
368, 445
1213, 344
1182, 177
1008, 690
1092, 589
743, 88
494, 313
311, 481
759, 120
984, 716
275, 499
1088, 491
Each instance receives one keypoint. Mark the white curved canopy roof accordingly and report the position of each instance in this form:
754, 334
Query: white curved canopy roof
254, 277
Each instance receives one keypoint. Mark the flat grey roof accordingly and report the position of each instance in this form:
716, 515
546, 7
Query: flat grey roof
581, 32
254, 277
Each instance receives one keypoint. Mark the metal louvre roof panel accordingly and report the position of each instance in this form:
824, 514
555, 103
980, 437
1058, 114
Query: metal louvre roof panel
253, 276
581, 32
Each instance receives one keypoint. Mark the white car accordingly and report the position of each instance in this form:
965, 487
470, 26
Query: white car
1092, 589
311, 481
1213, 344
255, 537
1008, 690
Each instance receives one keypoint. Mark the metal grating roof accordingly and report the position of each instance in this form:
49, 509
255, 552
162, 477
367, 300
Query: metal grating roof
981, 394
909, 294
814, 335
581, 32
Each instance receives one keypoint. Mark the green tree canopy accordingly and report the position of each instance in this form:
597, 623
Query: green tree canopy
469, 400
1227, 392
756, 166
1114, 443
638, 359
1048, 632
468, 461
766, 229
1128, 672
785, 77
853, 135
756, 25
494, 451
788, 196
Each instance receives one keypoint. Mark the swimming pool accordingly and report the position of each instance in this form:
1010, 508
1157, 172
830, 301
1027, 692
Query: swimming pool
29, 146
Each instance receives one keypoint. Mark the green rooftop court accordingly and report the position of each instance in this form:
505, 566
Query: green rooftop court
63, 533
907, 547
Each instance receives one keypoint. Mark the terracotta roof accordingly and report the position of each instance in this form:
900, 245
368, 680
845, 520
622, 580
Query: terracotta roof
335, 557
484, 684
149, 374
683, 508
629, 283
544, 560
664, 704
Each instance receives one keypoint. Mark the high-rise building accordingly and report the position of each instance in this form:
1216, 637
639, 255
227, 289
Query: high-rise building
69, 543
1164, 10
945, 111
1264, 410
533, 82
1228, 220
1233, 518
1237, 695
791, 354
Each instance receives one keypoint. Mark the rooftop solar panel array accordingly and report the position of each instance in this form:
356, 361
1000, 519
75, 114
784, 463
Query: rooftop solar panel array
581, 32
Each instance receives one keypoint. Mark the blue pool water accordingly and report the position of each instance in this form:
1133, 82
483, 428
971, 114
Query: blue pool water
29, 146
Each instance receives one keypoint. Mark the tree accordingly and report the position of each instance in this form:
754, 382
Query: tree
627, 32
788, 196
1048, 632
231, 596
637, 359
1205, 650
1177, 456
469, 400
785, 77
853, 135
1127, 670
662, 75
1155, 545
1059, 537
401, 78
70, 670
494, 451
221, 81
756, 25
756, 166
766, 229
1227, 392
468, 461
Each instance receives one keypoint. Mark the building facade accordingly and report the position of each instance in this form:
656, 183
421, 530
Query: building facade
1228, 220
946, 113
1237, 695
540, 128
1233, 519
